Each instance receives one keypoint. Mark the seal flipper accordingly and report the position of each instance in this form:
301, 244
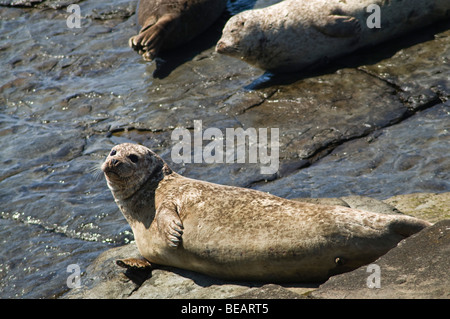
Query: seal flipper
151, 37
169, 225
134, 263
339, 26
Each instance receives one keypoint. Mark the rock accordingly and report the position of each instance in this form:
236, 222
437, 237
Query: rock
391, 159
270, 291
429, 206
416, 268
104, 279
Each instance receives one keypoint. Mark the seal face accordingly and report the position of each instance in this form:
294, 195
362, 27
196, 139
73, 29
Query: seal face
127, 168
237, 233
169, 23
291, 35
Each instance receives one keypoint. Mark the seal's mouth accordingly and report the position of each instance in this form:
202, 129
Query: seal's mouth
110, 169
116, 171
112, 177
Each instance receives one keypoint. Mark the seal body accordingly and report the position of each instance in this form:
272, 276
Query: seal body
242, 234
294, 34
169, 23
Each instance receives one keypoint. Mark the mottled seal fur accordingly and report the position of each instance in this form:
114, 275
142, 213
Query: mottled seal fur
167, 24
237, 233
294, 34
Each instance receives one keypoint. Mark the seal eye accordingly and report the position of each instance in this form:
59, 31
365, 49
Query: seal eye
133, 158
113, 152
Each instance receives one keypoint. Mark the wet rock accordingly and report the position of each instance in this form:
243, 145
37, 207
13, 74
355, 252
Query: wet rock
368, 164
317, 113
416, 86
416, 268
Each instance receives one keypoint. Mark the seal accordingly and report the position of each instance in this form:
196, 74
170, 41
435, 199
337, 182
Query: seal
237, 233
292, 35
167, 24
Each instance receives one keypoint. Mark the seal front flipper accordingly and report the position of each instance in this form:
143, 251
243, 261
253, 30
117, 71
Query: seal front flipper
151, 38
339, 26
135, 41
169, 225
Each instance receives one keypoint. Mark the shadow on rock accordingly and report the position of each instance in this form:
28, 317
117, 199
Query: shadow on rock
172, 59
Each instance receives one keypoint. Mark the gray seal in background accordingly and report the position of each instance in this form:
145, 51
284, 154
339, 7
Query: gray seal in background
294, 34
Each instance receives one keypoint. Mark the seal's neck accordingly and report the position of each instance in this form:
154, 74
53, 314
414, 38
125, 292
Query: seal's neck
139, 206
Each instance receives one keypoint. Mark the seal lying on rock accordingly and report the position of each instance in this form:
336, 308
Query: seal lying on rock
169, 23
237, 233
294, 34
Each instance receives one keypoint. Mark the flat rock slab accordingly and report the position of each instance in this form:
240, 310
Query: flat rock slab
428, 206
416, 268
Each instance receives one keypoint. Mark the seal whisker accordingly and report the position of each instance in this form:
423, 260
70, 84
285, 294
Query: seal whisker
96, 171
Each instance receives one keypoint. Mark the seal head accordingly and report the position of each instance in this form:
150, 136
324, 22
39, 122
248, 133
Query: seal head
133, 173
128, 167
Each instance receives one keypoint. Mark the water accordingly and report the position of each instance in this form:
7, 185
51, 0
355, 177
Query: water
69, 95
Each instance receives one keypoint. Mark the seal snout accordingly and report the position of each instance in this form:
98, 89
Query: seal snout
115, 162
223, 47
111, 165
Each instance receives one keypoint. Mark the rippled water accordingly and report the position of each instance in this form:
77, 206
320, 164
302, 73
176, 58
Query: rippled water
69, 95
63, 91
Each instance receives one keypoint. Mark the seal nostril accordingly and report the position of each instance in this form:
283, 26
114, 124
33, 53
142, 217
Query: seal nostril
115, 162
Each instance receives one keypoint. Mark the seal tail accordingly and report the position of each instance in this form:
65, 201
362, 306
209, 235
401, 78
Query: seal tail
408, 226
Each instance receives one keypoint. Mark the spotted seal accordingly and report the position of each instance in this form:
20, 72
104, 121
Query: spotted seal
238, 233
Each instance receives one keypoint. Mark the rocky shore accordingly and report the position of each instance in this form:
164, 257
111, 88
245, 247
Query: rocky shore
373, 124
